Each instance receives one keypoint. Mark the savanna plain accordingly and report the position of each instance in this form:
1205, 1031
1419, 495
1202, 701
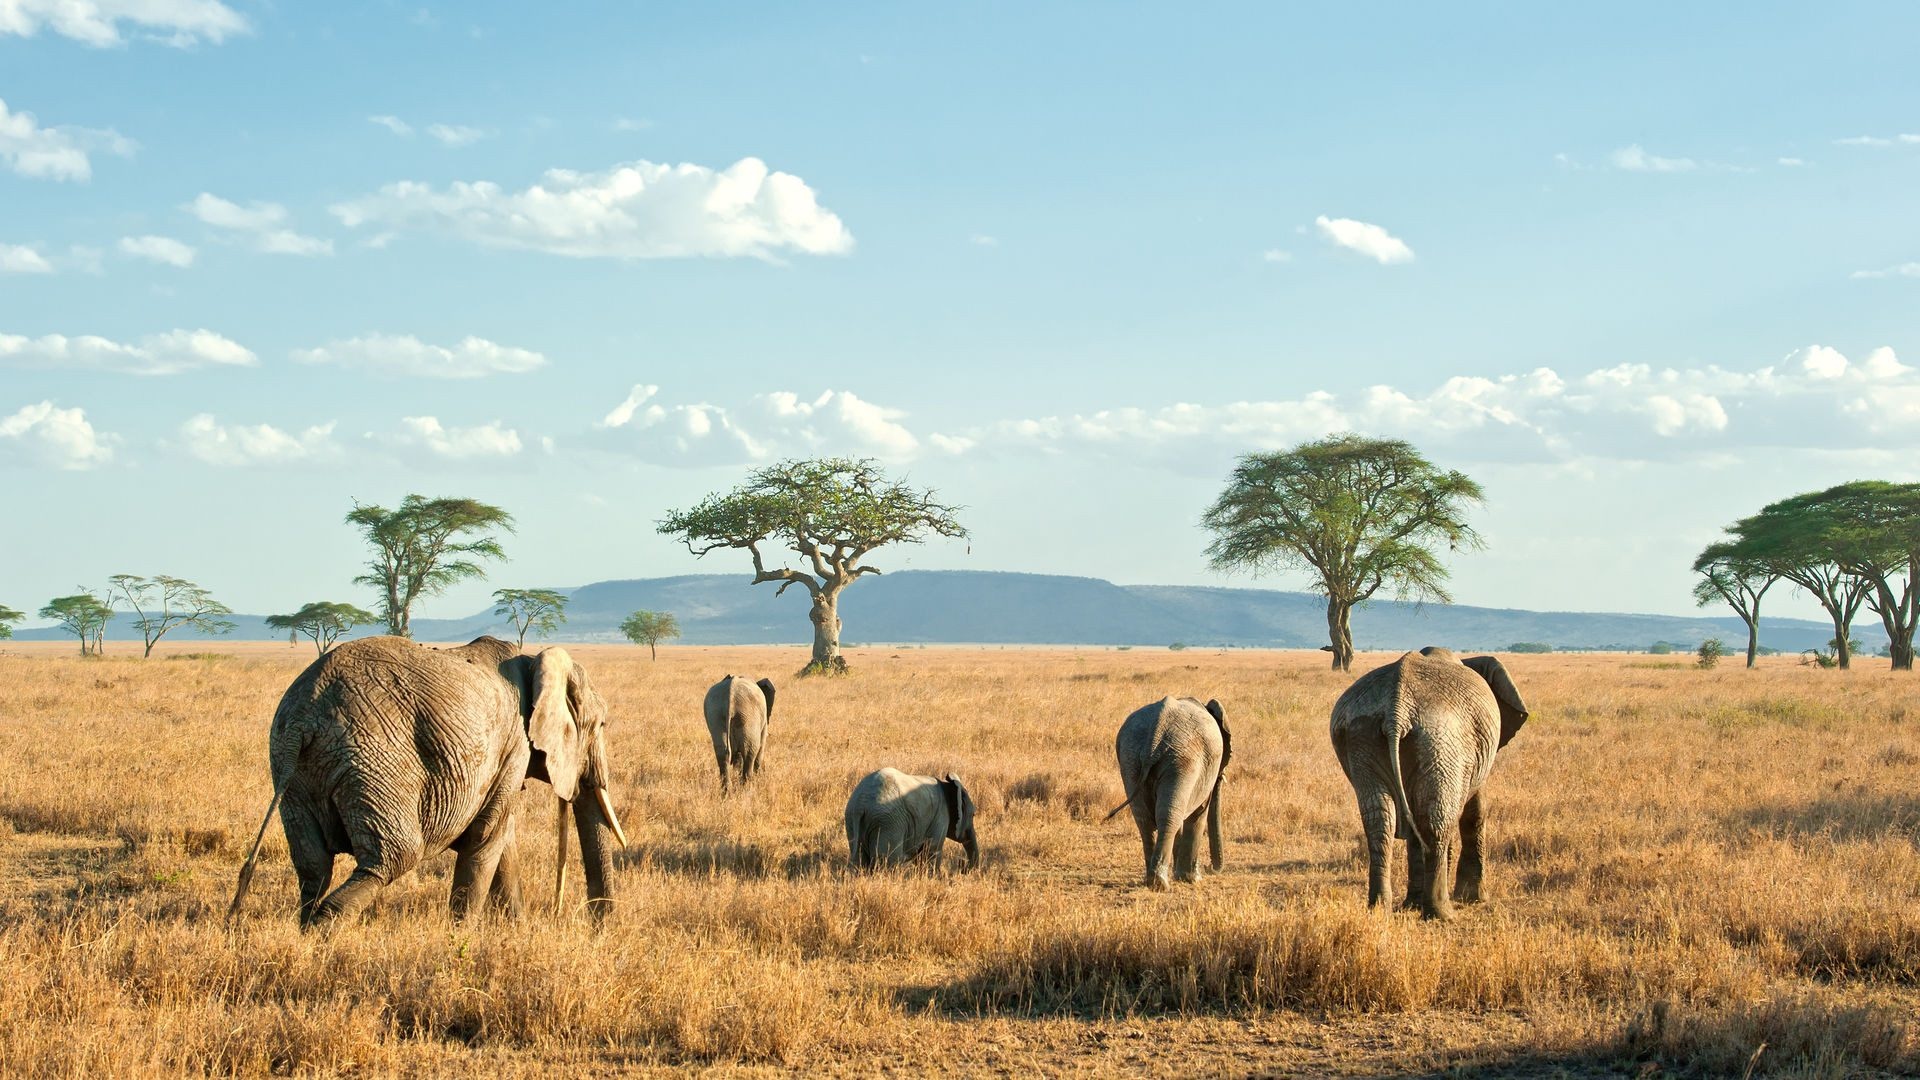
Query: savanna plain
1690, 872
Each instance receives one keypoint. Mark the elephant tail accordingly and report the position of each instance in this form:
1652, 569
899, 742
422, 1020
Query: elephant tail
1392, 730
253, 856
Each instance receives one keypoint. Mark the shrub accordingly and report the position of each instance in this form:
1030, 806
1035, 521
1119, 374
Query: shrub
1530, 647
1711, 650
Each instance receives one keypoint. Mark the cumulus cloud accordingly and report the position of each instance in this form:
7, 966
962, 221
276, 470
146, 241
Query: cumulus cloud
428, 434
97, 22
16, 259
161, 249
46, 434
1910, 269
1276, 255
456, 134
1634, 159
1370, 240
1816, 397
1879, 141
640, 210
235, 445
53, 153
156, 354
404, 354
394, 124
261, 224
766, 426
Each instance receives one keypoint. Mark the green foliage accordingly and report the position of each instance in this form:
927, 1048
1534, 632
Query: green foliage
1660, 648
161, 603
322, 622
1358, 514
1530, 647
8, 617
1178, 646
650, 628
1710, 652
424, 547
538, 610
84, 615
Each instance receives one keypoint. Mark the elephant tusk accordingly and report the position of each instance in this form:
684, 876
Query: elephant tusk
613, 820
560, 857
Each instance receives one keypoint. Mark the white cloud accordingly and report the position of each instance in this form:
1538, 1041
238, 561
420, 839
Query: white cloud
404, 354
215, 443
263, 224
766, 426
53, 153
1635, 159
392, 123
983, 240
1370, 240
97, 22
456, 134
161, 249
49, 435
1880, 141
1911, 269
1276, 255
156, 354
628, 123
1789, 162
456, 444
640, 210
16, 259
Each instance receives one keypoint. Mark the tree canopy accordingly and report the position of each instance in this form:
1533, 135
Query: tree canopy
322, 622
8, 617
830, 514
537, 610
423, 547
1358, 514
650, 628
161, 603
1738, 580
1795, 538
83, 615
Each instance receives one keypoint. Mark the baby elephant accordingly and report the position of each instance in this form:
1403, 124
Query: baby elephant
893, 817
1173, 754
737, 716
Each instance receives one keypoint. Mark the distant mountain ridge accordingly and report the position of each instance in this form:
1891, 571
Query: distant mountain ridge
996, 608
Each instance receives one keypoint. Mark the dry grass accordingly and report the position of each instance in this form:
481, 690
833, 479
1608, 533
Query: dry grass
1686, 867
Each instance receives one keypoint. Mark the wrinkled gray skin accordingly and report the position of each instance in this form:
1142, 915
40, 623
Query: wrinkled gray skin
392, 752
737, 715
893, 817
1173, 754
1417, 740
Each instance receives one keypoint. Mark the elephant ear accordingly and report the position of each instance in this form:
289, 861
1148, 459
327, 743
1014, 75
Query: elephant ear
555, 686
1513, 711
951, 790
766, 687
1226, 736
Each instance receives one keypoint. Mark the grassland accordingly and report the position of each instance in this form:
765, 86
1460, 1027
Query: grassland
1688, 869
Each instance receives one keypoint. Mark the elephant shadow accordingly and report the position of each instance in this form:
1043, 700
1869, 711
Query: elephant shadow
1837, 815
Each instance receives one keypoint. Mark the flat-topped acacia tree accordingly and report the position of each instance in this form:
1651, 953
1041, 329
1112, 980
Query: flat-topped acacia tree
831, 513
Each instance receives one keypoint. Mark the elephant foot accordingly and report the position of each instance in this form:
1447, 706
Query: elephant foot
1157, 882
1443, 913
1468, 893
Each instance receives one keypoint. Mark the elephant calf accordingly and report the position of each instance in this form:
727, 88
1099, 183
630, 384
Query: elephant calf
893, 817
1173, 754
1417, 740
738, 712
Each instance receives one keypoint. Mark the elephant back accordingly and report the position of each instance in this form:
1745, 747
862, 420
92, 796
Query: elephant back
1171, 726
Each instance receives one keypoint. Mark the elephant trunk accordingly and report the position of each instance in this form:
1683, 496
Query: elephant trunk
596, 854
1215, 845
970, 843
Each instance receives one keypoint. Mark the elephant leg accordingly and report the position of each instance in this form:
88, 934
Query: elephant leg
1143, 820
1438, 862
1466, 883
1166, 837
505, 892
346, 901
1417, 880
1186, 851
1377, 819
307, 850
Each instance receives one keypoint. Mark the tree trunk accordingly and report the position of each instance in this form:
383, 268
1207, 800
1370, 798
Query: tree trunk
1340, 632
826, 634
1753, 640
653, 652
1901, 649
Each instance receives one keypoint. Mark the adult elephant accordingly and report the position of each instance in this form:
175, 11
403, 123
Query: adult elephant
392, 752
738, 712
1173, 754
893, 817
1417, 739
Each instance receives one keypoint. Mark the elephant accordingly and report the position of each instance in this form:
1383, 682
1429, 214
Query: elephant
737, 716
1417, 739
1173, 755
393, 752
893, 817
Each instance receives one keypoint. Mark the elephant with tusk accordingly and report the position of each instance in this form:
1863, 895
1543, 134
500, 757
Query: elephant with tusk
893, 817
392, 752
1173, 756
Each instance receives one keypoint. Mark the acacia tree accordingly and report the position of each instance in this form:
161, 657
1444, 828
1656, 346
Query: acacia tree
322, 622
423, 547
161, 603
831, 513
1739, 582
650, 628
83, 615
1793, 536
8, 617
1357, 513
1871, 528
542, 610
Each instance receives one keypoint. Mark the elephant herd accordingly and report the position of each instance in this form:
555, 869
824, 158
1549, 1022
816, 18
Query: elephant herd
392, 752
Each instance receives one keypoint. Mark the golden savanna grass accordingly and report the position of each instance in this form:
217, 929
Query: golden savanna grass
1691, 871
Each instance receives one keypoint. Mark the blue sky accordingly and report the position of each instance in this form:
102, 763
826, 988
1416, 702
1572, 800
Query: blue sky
1638, 269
